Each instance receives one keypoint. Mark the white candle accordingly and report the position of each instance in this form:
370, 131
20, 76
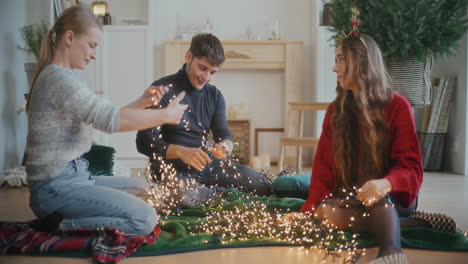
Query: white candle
256, 162
265, 159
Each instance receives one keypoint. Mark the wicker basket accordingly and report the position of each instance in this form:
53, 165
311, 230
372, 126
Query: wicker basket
412, 78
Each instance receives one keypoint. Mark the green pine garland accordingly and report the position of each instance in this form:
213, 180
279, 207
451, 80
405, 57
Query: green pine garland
32, 36
405, 28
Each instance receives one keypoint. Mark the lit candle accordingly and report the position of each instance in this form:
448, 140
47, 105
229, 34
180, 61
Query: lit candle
99, 8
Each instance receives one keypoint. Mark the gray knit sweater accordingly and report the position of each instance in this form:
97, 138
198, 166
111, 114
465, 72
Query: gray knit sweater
62, 113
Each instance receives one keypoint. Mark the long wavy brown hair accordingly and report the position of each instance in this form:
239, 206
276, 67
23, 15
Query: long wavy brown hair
360, 130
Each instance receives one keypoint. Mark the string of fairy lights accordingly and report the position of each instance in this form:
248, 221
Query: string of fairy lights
251, 219
167, 191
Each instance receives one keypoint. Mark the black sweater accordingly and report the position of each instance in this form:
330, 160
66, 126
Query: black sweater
206, 111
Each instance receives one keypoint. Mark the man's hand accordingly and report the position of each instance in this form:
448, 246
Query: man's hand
227, 145
194, 157
373, 190
219, 151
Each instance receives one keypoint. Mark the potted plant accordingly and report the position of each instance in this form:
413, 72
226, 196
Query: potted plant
409, 33
31, 36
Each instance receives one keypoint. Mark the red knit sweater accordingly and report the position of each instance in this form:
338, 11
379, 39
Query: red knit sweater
406, 173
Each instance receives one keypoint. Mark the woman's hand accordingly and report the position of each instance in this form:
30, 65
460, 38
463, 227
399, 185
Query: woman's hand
373, 190
134, 117
175, 110
152, 96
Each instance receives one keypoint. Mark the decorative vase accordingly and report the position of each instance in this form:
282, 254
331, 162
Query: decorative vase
30, 69
412, 78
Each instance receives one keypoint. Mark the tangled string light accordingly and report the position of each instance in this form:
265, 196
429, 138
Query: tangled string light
253, 220
167, 191
249, 220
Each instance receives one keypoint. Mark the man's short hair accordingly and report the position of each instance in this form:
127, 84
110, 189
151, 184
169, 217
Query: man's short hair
209, 46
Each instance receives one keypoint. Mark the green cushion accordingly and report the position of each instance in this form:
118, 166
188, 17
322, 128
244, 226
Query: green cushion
101, 160
292, 186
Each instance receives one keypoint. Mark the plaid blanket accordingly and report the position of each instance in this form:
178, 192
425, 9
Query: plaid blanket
107, 245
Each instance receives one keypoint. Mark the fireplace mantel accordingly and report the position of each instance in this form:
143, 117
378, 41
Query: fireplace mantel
251, 55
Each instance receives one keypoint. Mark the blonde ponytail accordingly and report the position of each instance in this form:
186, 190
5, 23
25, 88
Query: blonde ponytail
46, 54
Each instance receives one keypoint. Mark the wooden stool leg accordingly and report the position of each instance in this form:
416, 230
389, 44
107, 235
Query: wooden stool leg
299, 157
301, 134
280, 165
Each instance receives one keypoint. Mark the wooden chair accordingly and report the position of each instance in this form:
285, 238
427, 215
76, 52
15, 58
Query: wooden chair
295, 130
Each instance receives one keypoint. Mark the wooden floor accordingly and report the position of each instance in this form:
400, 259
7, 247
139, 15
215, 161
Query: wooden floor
441, 192
446, 193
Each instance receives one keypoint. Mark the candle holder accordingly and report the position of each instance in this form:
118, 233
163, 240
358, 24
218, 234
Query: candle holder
100, 9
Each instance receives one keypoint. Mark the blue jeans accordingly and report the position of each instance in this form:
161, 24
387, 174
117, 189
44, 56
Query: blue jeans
218, 176
86, 201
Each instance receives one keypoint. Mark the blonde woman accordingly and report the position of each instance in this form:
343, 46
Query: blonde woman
61, 113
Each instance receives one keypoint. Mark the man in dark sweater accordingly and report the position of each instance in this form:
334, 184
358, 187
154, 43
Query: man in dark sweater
184, 146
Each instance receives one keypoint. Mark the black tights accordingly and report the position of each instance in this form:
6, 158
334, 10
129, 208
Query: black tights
382, 220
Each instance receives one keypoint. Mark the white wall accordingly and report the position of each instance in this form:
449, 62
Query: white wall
456, 148
13, 83
261, 90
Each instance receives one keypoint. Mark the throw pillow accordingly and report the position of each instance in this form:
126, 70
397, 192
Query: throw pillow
101, 160
292, 186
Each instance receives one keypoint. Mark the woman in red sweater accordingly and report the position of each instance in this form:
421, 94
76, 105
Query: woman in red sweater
368, 147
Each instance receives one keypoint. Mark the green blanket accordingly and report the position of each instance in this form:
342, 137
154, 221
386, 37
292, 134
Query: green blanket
176, 237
